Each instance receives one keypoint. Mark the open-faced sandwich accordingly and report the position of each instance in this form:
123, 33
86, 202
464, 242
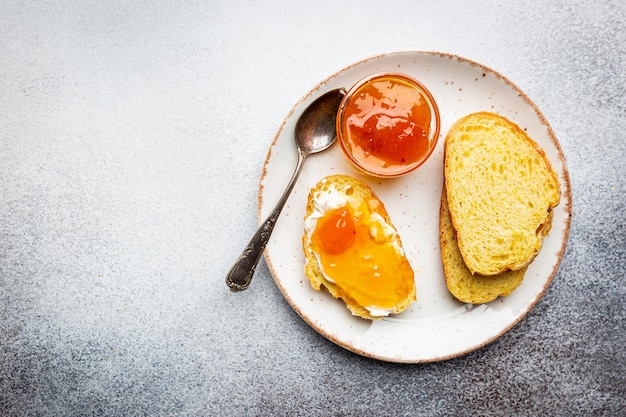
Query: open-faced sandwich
353, 249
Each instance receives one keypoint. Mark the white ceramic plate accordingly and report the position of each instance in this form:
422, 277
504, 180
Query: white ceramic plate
436, 326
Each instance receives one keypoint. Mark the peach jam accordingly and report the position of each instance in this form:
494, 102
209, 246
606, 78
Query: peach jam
388, 124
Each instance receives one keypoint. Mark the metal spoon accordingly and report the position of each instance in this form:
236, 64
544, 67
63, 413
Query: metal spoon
314, 132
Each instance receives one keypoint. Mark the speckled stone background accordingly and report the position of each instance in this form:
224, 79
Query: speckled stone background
132, 138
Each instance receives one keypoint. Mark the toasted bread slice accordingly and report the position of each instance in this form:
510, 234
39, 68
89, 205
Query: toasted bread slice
462, 284
501, 190
347, 188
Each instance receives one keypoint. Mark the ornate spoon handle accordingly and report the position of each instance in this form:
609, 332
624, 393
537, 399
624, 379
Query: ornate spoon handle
240, 275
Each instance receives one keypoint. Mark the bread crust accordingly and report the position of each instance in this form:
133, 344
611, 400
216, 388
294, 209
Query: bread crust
312, 270
501, 190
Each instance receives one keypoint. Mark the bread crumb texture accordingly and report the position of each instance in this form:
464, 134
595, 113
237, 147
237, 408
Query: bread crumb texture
462, 284
501, 190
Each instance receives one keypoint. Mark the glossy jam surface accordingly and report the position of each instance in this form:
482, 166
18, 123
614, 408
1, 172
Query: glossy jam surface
357, 253
335, 231
386, 125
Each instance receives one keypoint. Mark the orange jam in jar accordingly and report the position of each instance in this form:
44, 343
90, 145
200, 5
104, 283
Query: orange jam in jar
388, 124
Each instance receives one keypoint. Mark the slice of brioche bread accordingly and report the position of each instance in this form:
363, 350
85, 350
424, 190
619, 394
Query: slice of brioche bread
462, 284
501, 189
354, 188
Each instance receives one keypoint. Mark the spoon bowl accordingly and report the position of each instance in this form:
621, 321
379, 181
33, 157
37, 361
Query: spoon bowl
315, 132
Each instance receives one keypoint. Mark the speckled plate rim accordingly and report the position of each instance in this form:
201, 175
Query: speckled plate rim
380, 339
